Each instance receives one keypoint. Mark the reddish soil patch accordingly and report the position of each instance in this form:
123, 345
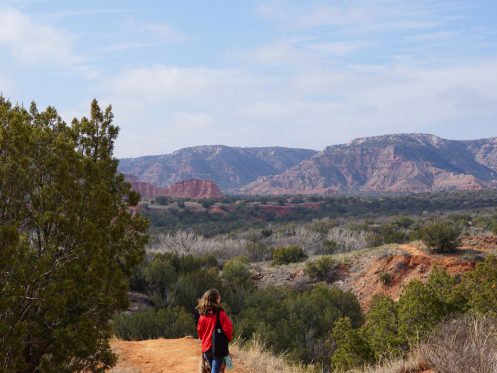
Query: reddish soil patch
408, 262
162, 356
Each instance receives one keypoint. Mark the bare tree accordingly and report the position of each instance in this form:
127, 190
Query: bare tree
347, 239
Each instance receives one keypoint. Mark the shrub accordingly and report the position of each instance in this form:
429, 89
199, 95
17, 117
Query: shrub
320, 268
297, 323
440, 237
352, 349
479, 287
190, 286
385, 277
381, 328
419, 310
329, 247
172, 322
162, 200
238, 279
257, 251
288, 254
467, 344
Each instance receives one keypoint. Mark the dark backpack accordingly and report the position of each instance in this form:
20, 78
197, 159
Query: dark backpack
219, 340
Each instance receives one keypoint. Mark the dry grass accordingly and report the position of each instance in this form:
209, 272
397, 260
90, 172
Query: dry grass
467, 344
256, 359
413, 363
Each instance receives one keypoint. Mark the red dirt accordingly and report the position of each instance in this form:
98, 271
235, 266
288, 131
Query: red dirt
408, 263
163, 356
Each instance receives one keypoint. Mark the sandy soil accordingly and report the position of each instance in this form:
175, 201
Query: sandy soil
162, 356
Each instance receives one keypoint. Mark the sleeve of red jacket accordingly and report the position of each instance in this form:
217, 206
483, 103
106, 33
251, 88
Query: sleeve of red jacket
200, 329
226, 325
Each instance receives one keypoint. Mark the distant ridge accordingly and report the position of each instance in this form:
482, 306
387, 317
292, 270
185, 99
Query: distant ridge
389, 163
229, 167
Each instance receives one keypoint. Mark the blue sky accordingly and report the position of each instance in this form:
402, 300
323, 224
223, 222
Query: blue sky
257, 73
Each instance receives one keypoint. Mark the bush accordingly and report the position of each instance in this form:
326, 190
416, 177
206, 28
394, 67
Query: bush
288, 254
479, 287
419, 310
381, 328
297, 323
352, 349
440, 237
385, 278
467, 344
257, 251
190, 287
236, 273
172, 322
320, 268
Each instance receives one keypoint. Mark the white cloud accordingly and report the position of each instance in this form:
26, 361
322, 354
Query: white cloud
363, 15
313, 108
32, 41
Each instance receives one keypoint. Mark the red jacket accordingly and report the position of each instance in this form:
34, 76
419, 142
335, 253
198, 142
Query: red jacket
206, 325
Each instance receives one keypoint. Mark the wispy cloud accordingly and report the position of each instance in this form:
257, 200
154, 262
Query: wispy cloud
33, 42
354, 15
237, 107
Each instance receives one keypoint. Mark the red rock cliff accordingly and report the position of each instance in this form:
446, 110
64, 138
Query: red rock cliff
195, 189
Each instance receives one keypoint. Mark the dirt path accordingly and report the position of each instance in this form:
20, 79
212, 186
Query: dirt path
162, 356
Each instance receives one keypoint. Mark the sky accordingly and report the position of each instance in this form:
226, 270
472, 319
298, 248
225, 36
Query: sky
305, 74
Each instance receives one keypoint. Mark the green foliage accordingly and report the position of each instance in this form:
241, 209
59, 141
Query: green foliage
479, 287
392, 233
419, 310
160, 275
329, 247
288, 254
237, 273
191, 285
381, 328
352, 349
385, 277
67, 239
239, 285
162, 200
298, 323
320, 268
440, 236
171, 322
444, 286
257, 251
207, 203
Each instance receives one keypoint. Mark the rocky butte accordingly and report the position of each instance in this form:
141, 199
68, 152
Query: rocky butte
193, 189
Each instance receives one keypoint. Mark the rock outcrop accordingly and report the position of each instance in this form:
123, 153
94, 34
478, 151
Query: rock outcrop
196, 189
193, 189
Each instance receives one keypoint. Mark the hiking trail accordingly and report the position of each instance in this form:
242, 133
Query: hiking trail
163, 356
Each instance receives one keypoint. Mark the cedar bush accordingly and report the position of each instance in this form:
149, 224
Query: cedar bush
320, 268
170, 322
288, 254
441, 237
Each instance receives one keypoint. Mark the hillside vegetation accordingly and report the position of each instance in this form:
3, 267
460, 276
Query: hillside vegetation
331, 293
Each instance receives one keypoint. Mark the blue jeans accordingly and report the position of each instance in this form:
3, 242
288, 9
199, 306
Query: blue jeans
214, 362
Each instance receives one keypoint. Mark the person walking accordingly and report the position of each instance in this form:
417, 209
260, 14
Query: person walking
212, 314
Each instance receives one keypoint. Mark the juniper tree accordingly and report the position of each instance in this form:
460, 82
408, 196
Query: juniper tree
67, 239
